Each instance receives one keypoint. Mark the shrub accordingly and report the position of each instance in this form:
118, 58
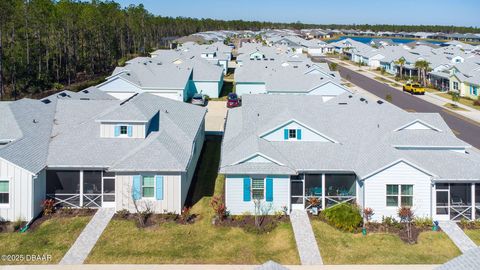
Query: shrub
477, 102
343, 216
18, 224
48, 206
368, 213
186, 216
58, 86
123, 213
389, 221
219, 207
423, 222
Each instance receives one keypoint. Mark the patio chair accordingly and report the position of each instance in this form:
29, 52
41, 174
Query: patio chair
457, 200
317, 191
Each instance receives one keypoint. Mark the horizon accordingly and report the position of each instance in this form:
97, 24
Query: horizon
283, 11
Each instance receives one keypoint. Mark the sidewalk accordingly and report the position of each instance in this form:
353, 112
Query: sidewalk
469, 113
457, 235
305, 239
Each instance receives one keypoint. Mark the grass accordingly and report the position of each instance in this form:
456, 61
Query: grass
395, 85
474, 235
201, 242
453, 107
381, 248
53, 237
378, 78
465, 101
431, 90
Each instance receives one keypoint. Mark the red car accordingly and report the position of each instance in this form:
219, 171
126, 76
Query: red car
233, 100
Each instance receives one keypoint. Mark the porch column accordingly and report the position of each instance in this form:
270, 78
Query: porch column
473, 201
81, 188
323, 191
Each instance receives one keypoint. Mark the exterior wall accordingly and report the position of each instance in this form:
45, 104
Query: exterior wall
171, 191
307, 135
211, 89
234, 195
170, 93
39, 192
400, 173
453, 80
20, 197
470, 90
188, 176
315, 51
107, 130
121, 95
250, 88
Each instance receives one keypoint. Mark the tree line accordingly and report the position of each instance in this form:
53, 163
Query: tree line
47, 44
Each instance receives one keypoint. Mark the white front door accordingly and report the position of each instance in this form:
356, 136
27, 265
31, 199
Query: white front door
108, 192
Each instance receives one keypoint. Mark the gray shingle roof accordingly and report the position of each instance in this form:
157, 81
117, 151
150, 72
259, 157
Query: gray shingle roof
366, 136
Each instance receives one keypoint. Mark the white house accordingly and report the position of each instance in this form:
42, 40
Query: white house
87, 149
285, 150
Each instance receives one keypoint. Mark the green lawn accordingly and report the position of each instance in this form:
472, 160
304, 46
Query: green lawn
453, 107
462, 100
53, 237
474, 235
227, 88
339, 247
201, 242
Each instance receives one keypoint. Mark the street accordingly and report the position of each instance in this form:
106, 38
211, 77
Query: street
464, 128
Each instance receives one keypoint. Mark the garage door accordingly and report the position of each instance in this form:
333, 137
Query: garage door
121, 95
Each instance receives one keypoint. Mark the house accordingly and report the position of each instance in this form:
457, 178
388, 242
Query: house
295, 152
83, 150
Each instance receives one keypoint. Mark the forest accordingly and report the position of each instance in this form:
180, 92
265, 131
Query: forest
47, 44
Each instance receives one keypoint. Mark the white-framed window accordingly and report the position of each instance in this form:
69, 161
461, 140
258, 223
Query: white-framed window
258, 188
148, 186
4, 192
292, 133
399, 195
455, 85
123, 130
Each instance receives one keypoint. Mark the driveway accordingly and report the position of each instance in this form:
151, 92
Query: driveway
465, 129
215, 118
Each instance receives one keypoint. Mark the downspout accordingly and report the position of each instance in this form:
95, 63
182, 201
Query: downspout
25, 228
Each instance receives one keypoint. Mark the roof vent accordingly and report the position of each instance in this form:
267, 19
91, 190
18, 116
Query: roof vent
342, 103
63, 94
379, 102
362, 99
350, 96
35, 121
46, 101
85, 91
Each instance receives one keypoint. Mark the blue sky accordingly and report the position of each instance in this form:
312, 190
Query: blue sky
440, 12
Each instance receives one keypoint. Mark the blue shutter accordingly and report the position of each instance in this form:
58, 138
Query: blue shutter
285, 134
246, 189
299, 134
117, 131
129, 131
136, 187
269, 189
159, 187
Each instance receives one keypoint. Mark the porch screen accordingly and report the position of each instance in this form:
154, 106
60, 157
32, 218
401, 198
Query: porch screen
63, 182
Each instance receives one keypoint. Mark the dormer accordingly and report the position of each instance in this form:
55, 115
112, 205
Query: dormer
417, 125
294, 131
123, 130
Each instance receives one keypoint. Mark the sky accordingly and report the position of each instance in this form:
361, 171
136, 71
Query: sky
412, 12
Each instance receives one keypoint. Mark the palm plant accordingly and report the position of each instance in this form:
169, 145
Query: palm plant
422, 67
400, 62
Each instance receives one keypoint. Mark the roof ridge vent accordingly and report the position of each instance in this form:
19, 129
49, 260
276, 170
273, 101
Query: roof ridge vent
128, 99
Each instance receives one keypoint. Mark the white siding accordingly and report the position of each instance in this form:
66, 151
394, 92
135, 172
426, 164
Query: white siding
400, 173
20, 185
107, 130
211, 89
307, 134
171, 193
39, 192
171, 94
121, 95
234, 195
187, 177
250, 88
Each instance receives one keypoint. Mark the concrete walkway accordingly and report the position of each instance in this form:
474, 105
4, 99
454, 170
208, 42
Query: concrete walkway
79, 251
461, 240
305, 239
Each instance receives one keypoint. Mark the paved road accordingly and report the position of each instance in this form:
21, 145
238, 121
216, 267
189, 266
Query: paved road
465, 129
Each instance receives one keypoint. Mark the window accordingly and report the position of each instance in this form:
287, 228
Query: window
455, 85
4, 192
400, 195
148, 187
292, 133
258, 189
123, 130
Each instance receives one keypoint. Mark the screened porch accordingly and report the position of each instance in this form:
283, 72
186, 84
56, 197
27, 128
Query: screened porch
457, 201
322, 190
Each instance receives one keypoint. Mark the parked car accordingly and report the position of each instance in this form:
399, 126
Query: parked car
233, 100
414, 88
199, 99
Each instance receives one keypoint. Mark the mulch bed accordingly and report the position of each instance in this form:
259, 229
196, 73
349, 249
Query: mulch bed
400, 229
153, 220
62, 213
247, 222
9, 227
